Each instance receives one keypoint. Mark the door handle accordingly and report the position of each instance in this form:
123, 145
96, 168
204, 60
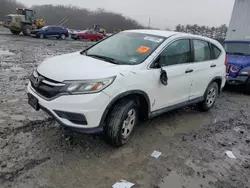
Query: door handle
189, 70
213, 65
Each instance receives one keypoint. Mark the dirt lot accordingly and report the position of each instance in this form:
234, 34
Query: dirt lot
36, 152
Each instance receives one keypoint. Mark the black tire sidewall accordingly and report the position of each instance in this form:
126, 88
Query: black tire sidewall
247, 87
119, 140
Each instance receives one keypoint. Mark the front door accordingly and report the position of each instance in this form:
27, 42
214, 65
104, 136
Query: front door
175, 60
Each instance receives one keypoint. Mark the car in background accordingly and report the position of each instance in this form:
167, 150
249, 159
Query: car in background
51, 31
238, 67
87, 35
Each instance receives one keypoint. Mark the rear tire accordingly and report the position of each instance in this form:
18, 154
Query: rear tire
63, 37
14, 32
247, 88
209, 97
26, 30
121, 122
98, 38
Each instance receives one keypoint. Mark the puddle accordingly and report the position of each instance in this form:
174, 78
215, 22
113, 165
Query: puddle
175, 180
18, 117
186, 122
5, 53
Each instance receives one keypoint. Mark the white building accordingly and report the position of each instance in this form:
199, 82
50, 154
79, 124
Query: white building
239, 27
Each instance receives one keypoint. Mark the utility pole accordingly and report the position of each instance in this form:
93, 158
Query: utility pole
149, 22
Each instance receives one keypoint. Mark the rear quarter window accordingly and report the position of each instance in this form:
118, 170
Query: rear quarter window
216, 51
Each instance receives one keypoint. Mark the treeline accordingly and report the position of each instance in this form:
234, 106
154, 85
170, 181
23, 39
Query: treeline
81, 18
78, 18
8, 6
218, 33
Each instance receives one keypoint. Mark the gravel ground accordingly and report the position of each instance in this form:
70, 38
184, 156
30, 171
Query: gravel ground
37, 152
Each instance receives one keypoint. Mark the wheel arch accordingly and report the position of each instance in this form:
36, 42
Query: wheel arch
218, 80
140, 97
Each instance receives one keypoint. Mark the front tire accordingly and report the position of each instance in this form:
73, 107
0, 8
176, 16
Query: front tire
209, 97
41, 36
14, 32
26, 29
247, 88
121, 122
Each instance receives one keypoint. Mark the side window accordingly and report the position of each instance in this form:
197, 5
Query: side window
216, 50
201, 51
177, 52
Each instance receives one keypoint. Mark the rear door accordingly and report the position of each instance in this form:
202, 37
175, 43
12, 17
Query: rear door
205, 67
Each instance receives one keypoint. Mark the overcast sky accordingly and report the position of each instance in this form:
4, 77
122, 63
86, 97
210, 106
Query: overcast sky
163, 13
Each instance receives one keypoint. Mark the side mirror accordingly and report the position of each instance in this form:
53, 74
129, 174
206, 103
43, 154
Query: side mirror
163, 73
164, 77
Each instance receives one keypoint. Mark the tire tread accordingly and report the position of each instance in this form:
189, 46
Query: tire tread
114, 120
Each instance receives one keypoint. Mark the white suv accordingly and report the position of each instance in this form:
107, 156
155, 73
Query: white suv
130, 76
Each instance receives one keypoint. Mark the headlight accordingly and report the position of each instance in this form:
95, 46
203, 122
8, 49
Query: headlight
234, 68
35, 73
87, 86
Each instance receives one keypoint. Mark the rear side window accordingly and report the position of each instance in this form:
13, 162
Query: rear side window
201, 51
217, 51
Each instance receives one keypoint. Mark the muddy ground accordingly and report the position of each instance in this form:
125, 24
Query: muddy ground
36, 152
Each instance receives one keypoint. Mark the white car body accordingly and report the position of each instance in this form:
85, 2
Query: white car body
182, 89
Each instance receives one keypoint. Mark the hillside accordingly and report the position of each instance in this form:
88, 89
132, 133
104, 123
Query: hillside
78, 18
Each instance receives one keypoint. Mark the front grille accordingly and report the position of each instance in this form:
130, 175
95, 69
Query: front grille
7, 20
47, 88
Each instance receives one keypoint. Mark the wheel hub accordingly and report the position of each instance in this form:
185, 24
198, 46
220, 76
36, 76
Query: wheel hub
211, 97
128, 124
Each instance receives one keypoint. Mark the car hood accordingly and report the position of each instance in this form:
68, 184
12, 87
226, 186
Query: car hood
75, 66
239, 60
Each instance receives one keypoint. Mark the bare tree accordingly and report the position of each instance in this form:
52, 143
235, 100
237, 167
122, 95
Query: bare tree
218, 33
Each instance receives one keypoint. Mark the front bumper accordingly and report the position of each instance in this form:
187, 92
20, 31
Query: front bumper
90, 106
239, 80
74, 37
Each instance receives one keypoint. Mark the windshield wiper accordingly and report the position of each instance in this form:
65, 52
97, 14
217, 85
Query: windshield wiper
109, 59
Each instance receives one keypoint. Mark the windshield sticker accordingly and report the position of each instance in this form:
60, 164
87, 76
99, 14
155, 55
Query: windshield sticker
143, 49
153, 39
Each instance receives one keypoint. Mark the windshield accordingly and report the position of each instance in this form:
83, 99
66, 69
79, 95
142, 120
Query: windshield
45, 27
237, 48
126, 47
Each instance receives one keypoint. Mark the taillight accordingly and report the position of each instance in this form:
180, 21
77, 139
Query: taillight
226, 62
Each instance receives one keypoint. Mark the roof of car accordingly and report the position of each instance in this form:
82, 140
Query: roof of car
165, 33
54, 26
